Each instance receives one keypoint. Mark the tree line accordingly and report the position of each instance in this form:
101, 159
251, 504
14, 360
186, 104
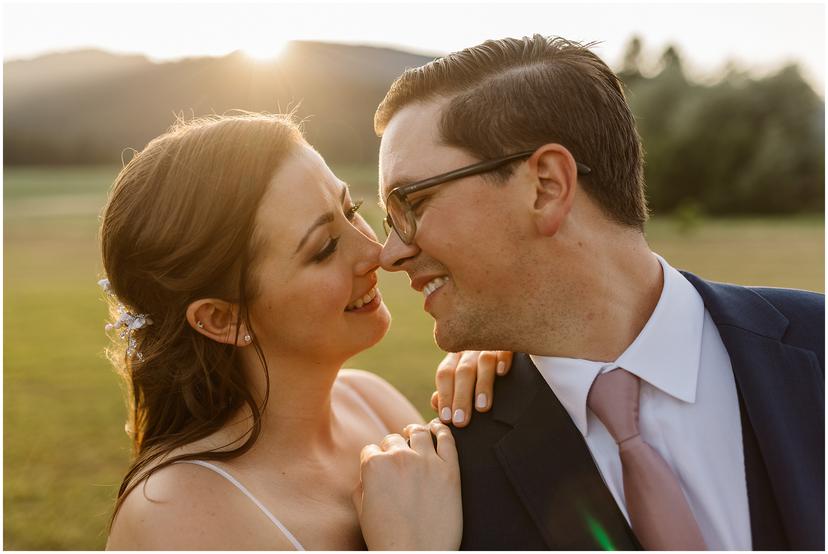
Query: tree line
738, 145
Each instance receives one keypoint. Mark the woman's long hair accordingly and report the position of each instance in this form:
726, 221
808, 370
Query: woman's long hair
179, 226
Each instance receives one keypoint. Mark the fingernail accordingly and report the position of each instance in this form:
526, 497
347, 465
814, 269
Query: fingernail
501, 367
459, 416
481, 400
445, 414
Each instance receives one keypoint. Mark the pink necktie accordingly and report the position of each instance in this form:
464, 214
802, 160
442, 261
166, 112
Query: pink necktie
659, 512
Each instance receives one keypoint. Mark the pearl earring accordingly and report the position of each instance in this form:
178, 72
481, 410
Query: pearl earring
247, 338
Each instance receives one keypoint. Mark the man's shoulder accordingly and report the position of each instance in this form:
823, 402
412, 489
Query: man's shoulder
510, 396
797, 306
775, 294
805, 312
796, 317
794, 304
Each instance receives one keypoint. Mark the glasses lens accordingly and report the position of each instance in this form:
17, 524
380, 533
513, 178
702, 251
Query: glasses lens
399, 219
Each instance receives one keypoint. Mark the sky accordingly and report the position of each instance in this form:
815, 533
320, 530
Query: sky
757, 36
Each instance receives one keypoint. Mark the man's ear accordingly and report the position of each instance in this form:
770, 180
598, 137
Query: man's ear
555, 176
217, 319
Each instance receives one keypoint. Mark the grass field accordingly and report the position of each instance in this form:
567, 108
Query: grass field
64, 445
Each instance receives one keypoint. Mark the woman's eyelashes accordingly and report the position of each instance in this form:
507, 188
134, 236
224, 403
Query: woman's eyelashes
330, 246
351, 212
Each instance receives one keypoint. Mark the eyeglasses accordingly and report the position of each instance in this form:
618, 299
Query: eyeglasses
400, 214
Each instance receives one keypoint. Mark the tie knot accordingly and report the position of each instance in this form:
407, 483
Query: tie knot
613, 398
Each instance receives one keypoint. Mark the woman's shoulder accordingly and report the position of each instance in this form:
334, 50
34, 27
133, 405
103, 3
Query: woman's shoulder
395, 410
359, 378
184, 506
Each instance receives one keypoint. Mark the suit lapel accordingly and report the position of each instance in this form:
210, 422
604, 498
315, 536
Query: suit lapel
782, 392
549, 465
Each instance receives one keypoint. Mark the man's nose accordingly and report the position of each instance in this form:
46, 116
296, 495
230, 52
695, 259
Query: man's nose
395, 252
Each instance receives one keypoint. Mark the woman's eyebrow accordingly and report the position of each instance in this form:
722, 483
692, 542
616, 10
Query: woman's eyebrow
323, 219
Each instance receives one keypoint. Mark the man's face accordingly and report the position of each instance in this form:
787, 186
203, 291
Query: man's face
465, 257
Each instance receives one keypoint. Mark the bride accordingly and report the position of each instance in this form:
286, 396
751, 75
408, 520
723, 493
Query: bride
241, 278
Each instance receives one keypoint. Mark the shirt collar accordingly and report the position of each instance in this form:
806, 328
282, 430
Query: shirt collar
666, 353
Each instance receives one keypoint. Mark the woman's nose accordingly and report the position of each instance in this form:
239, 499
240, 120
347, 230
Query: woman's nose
369, 254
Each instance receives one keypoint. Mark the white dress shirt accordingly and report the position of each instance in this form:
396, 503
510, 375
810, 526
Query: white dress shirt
689, 410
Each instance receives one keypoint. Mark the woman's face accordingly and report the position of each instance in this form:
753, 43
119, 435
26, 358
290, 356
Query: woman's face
317, 267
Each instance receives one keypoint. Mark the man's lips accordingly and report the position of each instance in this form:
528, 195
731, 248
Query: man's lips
433, 285
419, 283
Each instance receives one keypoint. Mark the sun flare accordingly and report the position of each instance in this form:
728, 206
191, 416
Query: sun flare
265, 50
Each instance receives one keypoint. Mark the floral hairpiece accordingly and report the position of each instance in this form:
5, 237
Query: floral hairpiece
127, 322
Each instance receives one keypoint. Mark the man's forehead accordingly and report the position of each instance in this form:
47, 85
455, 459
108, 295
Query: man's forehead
411, 138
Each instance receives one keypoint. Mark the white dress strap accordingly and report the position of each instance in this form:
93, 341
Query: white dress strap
296, 544
371, 413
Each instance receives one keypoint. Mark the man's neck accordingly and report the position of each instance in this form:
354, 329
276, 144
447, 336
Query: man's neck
615, 286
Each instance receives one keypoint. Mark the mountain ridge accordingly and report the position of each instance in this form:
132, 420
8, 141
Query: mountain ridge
86, 106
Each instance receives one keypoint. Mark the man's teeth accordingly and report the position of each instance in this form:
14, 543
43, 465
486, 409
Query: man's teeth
434, 284
364, 300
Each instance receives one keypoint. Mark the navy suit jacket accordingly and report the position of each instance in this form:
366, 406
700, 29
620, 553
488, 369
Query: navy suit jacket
529, 481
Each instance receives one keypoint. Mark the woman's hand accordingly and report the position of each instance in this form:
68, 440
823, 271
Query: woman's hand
408, 497
464, 376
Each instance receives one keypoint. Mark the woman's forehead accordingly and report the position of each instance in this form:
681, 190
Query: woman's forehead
305, 174
301, 191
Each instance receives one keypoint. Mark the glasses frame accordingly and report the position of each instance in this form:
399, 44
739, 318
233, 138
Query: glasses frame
401, 194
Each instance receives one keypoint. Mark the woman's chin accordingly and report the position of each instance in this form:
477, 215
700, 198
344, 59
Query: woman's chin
383, 324
379, 328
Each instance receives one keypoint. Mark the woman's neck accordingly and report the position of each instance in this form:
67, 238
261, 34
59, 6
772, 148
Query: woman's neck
298, 417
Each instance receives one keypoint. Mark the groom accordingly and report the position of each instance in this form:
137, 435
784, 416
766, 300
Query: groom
653, 408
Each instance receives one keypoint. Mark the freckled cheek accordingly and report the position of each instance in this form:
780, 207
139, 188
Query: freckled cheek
314, 299
325, 296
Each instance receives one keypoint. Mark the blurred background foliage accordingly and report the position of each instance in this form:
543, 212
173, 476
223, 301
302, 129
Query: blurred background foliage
733, 145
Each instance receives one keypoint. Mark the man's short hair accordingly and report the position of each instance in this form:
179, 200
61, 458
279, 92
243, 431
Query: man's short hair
513, 94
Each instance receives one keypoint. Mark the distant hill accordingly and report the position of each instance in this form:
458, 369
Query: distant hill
87, 106
736, 144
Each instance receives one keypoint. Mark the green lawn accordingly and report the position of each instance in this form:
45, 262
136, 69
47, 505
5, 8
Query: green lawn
64, 445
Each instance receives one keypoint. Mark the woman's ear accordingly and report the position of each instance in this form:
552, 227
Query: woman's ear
217, 320
556, 177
